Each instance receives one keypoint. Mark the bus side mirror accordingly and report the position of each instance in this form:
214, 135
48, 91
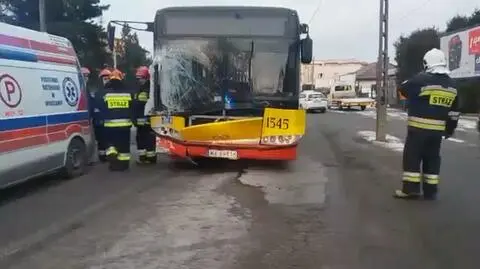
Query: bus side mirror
304, 28
150, 27
111, 36
306, 49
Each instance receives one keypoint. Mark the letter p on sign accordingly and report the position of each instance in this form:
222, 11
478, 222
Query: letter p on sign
10, 91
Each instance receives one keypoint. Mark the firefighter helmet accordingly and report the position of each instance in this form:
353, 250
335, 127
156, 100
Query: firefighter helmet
104, 73
435, 62
143, 72
85, 71
116, 75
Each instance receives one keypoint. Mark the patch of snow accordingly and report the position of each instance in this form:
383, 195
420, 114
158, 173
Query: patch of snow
337, 111
452, 139
466, 124
393, 143
303, 183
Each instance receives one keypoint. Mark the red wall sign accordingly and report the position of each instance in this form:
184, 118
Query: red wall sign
474, 41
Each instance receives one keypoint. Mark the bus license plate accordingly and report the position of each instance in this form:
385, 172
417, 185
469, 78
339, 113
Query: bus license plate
224, 154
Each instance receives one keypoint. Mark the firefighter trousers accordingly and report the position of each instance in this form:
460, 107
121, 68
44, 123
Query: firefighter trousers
146, 140
101, 143
421, 162
118, 150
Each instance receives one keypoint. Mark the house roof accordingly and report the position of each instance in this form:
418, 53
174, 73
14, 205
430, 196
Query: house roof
369, 71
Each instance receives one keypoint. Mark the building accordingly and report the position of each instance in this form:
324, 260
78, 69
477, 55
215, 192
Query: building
322, 73
365, 80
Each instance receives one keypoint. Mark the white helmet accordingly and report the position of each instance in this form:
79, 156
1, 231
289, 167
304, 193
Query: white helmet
435, 62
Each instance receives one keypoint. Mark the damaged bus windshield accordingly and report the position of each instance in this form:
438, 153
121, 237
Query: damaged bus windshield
205, 69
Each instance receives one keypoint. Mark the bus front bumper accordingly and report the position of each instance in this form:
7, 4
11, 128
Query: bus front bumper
225, 151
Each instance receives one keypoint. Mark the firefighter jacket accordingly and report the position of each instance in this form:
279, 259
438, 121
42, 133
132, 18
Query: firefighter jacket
140, 99
433, 103
93, 109
115, 105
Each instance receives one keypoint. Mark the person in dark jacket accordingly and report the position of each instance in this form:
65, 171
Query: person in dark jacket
432, 115
115, 111
104, 76
146, 138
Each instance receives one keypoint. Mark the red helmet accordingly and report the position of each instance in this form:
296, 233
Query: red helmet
104, 73
143, 72
85, 71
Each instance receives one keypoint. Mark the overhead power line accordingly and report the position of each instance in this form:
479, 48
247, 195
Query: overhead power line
319, 5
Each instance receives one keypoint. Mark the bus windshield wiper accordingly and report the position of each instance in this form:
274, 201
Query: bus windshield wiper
250, 82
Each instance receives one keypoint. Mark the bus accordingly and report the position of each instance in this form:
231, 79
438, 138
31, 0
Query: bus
226, 82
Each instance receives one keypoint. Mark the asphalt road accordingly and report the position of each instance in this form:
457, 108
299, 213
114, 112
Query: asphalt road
332, 208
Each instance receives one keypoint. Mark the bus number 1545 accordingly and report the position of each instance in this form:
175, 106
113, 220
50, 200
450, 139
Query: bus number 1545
277, 123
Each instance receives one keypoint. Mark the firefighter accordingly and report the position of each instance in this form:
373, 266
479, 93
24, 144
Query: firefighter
104, 76
86, 75
432, 114
145, 136
115, 105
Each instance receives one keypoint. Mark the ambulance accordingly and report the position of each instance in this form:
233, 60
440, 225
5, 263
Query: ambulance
44, 118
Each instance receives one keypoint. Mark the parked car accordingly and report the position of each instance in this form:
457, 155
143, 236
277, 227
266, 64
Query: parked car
313, 101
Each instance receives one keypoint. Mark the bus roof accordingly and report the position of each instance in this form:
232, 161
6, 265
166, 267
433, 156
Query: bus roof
278, 10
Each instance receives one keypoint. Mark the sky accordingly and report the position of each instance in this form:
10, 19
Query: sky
340, 29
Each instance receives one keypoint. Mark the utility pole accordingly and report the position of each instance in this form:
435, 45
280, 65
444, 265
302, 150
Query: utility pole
114, 55
312, 74
382, 72
41, 15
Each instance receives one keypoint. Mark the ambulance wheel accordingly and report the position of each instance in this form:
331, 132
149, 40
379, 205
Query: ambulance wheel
76, 159
363, 107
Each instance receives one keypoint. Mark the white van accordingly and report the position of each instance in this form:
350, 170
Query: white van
44, 118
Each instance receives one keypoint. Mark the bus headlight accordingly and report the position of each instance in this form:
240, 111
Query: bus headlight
281, 139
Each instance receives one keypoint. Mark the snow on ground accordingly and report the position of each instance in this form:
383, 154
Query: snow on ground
465, 124
304, 183
198, 228
393, 143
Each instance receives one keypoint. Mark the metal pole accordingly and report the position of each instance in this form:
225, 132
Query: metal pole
312, 74
41, 15
114, 57
382, 72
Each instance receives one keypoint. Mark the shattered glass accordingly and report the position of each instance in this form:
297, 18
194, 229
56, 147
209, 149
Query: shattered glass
200, 74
